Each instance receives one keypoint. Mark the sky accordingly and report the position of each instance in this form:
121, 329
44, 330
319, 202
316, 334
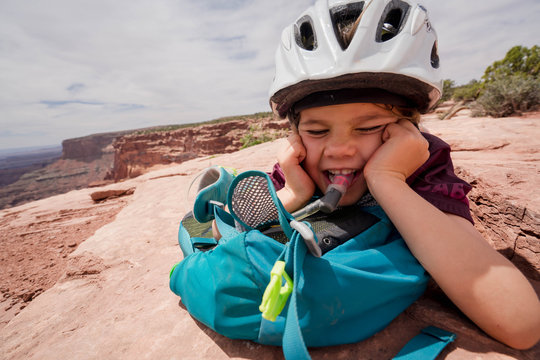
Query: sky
70, 68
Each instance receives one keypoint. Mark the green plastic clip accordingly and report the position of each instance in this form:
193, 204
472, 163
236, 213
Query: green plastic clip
275, 296
172, 270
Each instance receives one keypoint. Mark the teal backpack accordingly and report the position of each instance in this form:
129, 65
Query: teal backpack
271, 280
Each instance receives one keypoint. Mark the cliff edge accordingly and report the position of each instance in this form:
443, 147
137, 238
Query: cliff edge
115, 156
84, 160
137, 153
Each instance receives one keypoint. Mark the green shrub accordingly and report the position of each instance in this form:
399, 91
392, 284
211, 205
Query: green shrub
468, 92
506, 95
448, 90
518, 60
257, 136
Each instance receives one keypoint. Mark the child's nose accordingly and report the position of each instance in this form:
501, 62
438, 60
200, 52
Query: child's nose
340, 146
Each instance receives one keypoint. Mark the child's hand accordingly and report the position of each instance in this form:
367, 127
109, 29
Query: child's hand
299, 187
403, 151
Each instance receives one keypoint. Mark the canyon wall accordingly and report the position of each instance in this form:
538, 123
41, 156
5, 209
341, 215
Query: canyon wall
84, 161
112, 157
13, 165
135, 154
90, 148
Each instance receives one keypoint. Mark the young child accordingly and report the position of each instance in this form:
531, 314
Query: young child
353, 83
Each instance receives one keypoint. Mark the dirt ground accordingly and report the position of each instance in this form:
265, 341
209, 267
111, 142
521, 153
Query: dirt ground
34, 248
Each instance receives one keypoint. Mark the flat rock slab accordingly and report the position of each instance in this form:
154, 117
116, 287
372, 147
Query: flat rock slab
501, 159
113, 302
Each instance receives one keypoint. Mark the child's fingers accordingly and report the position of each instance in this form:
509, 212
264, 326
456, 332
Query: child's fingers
299, 187
400, 127
294, 153
407, 135
404, 150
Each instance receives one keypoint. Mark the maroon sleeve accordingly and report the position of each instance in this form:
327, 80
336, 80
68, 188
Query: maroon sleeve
277, 176
436, 181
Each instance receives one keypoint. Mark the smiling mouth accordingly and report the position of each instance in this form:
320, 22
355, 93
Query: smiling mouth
348, 173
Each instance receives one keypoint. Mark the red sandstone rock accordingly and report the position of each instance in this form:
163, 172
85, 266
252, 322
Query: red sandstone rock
137, 153
92, 161
500, 158
84, 160
91, 147
116, 303
111, 193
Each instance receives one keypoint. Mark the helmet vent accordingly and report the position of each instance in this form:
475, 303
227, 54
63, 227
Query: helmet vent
392, 20
345, 19
434, 56
304, 34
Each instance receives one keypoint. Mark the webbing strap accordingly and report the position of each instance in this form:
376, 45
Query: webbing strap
294, 346
199, 242
225, 223
426, 345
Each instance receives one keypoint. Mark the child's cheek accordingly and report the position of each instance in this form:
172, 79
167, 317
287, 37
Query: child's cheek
311, 165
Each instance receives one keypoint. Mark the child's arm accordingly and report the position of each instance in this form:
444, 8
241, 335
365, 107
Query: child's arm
480, 281
299, 188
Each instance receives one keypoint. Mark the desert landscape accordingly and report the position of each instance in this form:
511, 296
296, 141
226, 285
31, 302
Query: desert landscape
85, 273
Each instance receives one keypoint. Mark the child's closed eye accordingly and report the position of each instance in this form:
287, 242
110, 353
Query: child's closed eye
317, 132
371, 129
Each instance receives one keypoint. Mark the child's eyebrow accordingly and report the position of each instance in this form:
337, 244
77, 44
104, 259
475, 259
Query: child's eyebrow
311, 122
362, 118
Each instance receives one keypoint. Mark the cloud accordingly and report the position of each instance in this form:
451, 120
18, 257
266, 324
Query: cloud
213, 5
57, 103
75, 87
108, 107
74, 68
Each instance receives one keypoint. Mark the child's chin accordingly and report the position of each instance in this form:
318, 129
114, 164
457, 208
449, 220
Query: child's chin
347, 201
352, 197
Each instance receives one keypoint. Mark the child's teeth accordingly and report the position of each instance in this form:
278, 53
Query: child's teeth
341, 172
332, 173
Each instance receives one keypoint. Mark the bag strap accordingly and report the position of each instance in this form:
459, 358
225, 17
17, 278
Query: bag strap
225, 223
294, 346
427, 345
199, 242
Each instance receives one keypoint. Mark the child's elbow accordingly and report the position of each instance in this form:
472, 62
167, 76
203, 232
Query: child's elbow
522, 341
522, 336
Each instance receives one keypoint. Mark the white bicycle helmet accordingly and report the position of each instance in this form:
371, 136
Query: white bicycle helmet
392, 57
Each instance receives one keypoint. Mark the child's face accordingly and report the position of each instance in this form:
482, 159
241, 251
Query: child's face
341, 139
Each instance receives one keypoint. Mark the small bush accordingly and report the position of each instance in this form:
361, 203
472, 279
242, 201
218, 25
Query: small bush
448, 90
518, 60
257, 135
508, 95
467, 92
